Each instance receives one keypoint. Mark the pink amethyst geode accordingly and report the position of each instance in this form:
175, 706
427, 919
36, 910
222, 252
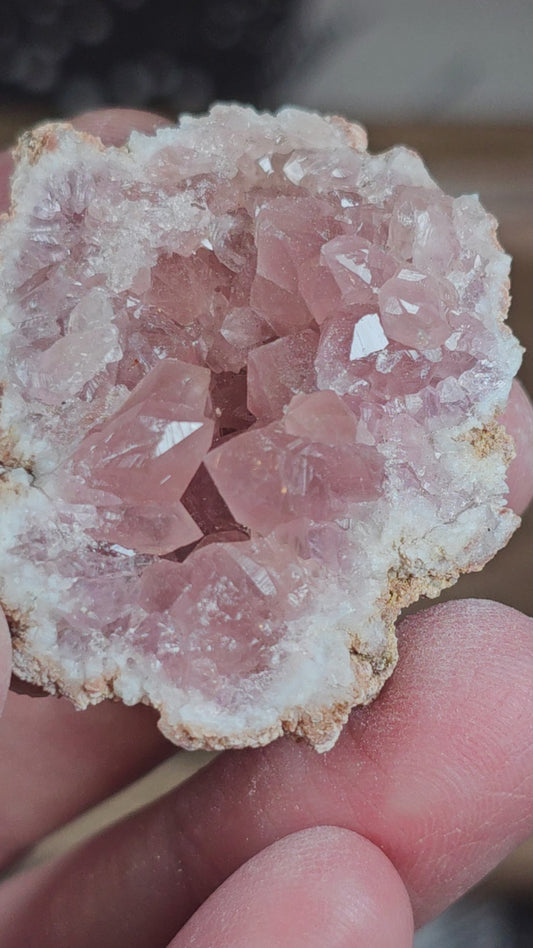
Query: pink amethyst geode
250, 382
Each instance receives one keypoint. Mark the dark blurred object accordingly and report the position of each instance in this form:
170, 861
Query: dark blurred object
475, 924
172, 55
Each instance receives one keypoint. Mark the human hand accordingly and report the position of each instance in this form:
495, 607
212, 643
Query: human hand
426, 790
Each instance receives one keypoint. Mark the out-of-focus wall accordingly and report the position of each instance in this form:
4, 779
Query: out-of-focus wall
413, 59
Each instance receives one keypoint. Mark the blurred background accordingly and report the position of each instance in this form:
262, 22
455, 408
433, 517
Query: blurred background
463, 60
454, 81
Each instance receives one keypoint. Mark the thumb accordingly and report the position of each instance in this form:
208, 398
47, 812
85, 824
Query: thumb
321, 886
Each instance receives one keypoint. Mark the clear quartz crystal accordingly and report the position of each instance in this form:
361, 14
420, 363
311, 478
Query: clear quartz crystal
251, 376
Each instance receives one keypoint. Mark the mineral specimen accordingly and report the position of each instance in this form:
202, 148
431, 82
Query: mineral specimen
251, 377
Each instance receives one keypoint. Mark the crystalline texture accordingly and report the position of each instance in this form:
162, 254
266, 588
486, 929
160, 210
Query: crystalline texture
250, 387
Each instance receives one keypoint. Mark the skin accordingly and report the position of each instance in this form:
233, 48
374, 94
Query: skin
426, 790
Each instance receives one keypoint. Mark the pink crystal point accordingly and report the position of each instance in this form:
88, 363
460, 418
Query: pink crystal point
148, 527
279, 370
358, 267
150, 449
89, 345
422, 229
251, 377
413, 311
267, 476
321, 417
145, 455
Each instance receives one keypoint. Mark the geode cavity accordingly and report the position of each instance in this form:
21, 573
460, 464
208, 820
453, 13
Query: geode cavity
251, 376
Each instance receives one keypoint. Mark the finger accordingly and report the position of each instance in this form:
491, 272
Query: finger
438, 773
114, 126
5, 660
323, 886
518, 420
56, 762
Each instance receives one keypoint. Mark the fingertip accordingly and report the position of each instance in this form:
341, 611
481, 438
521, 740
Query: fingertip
5, 659
114, 126
473, 627
518, 421
321, 886
454, 645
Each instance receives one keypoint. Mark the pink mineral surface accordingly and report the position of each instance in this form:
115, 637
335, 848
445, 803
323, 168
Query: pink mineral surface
251, 377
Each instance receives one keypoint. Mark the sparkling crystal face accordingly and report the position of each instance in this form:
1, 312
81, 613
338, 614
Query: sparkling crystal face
231, 352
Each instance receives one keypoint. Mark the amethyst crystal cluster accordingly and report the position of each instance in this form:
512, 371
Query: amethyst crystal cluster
251, 376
